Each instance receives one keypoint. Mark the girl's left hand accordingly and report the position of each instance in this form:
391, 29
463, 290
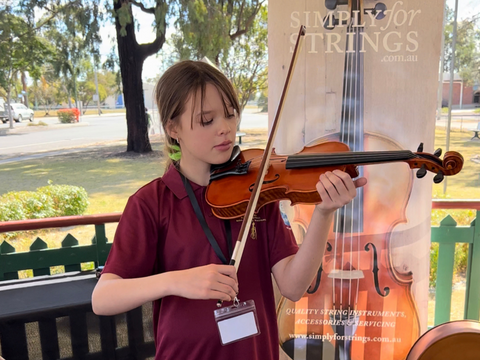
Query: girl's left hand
337, 189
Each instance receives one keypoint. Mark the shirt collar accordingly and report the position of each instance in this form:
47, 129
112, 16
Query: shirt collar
173, 181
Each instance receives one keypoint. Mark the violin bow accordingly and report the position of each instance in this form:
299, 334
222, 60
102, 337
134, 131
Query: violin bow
252, 204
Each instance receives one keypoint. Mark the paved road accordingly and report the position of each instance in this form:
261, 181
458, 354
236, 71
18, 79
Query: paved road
59, 136
26, 142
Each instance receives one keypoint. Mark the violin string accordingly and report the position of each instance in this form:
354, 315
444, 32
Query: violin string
340, 211
346, 134
359, 192
356, 156
355, 147
353, 158
341, 158
351, 141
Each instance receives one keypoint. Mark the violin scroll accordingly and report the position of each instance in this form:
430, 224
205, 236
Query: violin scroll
451, 164
355, 9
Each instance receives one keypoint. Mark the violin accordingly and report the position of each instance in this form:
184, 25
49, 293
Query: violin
294, 177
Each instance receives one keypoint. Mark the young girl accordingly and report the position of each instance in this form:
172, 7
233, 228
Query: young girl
161, 250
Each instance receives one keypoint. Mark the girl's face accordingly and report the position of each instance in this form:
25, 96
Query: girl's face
211, 142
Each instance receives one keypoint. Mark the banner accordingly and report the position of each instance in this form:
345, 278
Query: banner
367, 76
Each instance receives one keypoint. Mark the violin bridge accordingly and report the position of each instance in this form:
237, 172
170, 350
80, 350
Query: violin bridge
346, 274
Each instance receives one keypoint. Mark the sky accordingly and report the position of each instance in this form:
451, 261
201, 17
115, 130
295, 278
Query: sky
153, 63
465, 7
145, 34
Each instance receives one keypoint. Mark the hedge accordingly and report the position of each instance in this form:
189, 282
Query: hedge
68, 115
47, 201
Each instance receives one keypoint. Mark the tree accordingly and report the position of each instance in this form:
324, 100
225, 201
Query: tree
231, 33
75, 34
246, 63
208, 28
44, 93
131, 56
87, 88
467, 48
21, 49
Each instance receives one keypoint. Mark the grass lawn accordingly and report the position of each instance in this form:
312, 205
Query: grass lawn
466, 184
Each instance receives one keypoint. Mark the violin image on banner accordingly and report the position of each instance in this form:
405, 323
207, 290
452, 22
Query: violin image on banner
359, 307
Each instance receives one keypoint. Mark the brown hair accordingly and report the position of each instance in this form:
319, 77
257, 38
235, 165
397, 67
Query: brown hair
182, 81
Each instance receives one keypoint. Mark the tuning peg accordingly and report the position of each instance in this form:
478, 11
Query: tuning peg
332, 4
420, 148
422, 171
438, 152
438, 178
330, 24
378, 11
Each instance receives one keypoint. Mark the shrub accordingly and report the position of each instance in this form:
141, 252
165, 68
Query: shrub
68, 115
11, 210
460, 261
433, 264
40, 123
48, 201
263, 102
67, 200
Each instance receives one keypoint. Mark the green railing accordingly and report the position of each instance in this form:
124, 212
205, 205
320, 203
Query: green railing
447, 235
71, 255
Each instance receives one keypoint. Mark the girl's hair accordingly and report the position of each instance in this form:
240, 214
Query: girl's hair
180, 83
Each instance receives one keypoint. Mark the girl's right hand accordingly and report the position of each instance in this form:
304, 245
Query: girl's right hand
212, 281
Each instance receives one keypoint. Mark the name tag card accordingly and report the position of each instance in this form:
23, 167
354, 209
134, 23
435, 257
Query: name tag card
237, 322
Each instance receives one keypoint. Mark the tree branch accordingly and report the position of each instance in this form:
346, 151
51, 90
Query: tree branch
153, 47
29, 31
144, 9
240, 15
247, 24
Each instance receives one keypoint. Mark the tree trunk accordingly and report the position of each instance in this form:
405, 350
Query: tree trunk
25, 89
9, 101
69, 99
131, 65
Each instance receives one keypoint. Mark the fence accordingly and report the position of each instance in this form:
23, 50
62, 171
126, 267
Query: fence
447, 235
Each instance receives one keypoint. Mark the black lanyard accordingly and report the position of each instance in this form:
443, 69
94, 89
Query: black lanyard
206, 229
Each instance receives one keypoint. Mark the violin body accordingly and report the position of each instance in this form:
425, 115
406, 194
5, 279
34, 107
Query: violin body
297, 185
372, 302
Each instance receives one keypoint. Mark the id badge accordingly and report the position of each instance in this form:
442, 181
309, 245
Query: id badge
237, 322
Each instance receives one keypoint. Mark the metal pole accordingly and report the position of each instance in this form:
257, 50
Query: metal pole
9, 102
461, 93
96, 86
450, 91
442, 64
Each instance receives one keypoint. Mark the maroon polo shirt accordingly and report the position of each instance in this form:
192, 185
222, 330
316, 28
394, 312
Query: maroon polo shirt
159, 232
